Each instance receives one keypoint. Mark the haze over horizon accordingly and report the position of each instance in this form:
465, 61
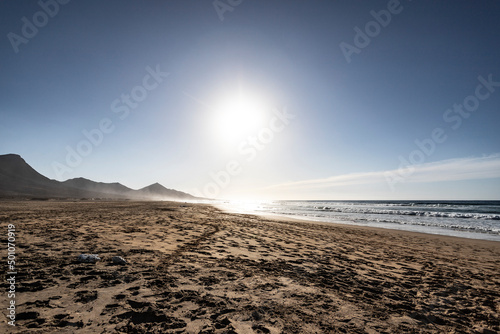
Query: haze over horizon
257, 99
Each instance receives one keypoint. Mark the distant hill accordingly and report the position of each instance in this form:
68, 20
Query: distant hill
157, 191
89, 185
18, 179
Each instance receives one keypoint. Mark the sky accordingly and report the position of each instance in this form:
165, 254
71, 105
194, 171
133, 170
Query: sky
257, 99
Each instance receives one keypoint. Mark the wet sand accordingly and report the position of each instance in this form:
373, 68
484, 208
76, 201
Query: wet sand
195, 269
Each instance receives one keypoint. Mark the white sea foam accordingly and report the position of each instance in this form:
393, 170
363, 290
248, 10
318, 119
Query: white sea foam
472, 219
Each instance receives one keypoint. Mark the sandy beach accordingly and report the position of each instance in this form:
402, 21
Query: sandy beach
192, 268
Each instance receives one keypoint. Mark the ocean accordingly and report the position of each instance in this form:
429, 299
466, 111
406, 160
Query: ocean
468, 219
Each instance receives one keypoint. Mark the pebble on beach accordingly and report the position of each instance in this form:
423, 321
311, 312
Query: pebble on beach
118, 260
88, 258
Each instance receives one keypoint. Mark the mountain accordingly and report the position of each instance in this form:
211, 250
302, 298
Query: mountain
89, 185
16, 176
158, 191
19, 179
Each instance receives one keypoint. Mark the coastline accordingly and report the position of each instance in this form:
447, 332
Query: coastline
419, 229
194, 268
373, 229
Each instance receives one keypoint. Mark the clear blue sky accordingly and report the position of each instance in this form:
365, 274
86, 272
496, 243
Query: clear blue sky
175, 87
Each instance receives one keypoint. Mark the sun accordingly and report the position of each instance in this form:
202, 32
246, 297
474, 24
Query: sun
238, 115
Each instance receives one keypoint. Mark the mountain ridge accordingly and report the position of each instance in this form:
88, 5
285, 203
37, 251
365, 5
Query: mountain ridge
19, 180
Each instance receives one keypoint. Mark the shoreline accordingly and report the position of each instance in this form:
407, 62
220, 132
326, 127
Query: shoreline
381, 229
193, 268
466, 234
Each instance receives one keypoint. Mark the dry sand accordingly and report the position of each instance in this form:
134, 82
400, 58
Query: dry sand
194, 269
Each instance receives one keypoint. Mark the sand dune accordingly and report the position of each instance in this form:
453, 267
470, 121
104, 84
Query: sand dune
194, 269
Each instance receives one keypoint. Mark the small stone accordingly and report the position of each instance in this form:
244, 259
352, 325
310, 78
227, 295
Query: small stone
119, 260
88, 258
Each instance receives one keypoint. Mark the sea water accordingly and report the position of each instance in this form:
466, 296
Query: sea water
469, 219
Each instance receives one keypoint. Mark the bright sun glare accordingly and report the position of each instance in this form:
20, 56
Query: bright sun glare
237, 116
